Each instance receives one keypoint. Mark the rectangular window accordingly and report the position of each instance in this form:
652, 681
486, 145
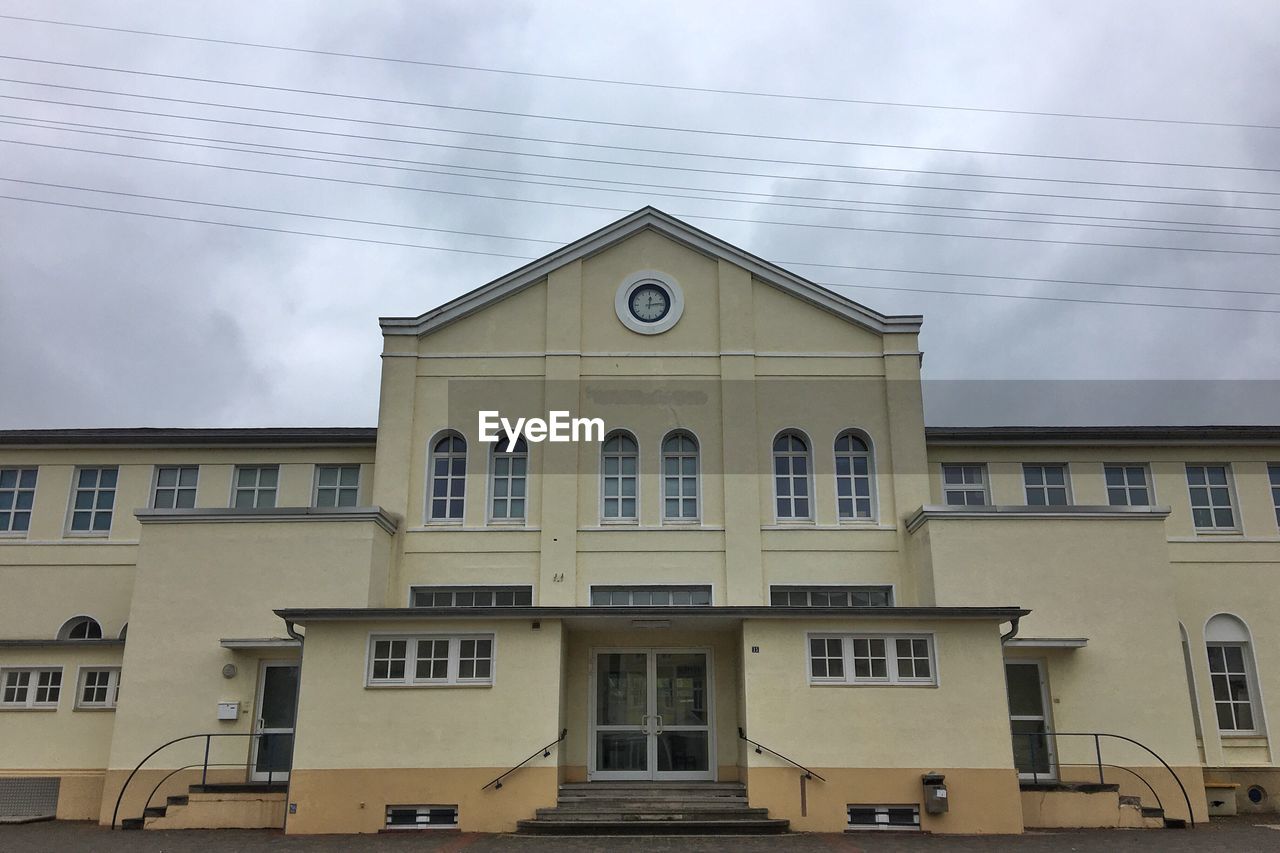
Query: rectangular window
99, 688
1232, 696
831, 596
337, 485
464, 659
509, 484
255, 487
1046, 485
1127, 485
884, 817
1210, 489
651, 596
175, 487
17, 494
30, 687
93, 499
422, 817
472, 596
1273, 471
964, 485
872, 659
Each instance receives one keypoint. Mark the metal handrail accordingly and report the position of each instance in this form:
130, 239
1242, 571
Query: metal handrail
1097, 748
545, 752
204, 775
154, 790
808, 774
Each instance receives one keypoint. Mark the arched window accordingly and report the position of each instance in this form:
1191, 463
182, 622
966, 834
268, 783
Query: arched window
619, 478
791, 477
448, 486
507, 480
854, 477
1232, 674
680, 477
80, 628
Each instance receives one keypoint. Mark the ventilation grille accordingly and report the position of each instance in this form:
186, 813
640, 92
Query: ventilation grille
422, 817
29, 797
904, 818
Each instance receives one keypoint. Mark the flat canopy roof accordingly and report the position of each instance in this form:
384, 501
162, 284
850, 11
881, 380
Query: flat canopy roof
303, 615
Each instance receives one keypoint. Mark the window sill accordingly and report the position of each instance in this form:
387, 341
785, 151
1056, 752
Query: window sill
872, 684
1243, 739
29, 708
438, 686
1211, 532
83, 534
93, 708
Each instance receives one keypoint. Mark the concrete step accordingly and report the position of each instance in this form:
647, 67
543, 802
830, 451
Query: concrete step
626, 799
652, 814
653, 786
155, 811
179, 800
729, 805
644, 827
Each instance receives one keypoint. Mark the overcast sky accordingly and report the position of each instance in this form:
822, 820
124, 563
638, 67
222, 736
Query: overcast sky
117, 320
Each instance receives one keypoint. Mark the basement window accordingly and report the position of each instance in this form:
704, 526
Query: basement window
422, 817
899, 818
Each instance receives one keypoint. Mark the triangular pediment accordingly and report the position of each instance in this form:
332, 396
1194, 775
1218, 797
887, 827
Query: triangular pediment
651, 219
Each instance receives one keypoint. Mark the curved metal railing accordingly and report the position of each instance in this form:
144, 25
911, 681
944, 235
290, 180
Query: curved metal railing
1033, 737
204, 774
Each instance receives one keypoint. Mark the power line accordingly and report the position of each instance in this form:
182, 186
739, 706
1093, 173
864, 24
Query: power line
36, 124
646, 84
825, 226
632, 125
150, 197
637, 149
520, 257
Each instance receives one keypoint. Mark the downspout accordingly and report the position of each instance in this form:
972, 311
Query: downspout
1013, 631
293, 632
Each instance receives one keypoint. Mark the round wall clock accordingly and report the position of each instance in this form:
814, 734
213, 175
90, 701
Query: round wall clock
649, 302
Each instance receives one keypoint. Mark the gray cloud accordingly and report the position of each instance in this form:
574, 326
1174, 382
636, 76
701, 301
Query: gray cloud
118, 320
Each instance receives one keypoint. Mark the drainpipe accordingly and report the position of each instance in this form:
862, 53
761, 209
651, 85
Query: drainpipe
293, 631
1004, 638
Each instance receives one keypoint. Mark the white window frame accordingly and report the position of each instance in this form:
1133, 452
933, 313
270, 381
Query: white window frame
620, 477
452, 677
984, 486
848, 590
257, 488
892, 677
15, 491
629, 590
1273, 477
337, 489
112, 687
520, 452
454, 589
65, 631
870, 455
432, 456
95, 491
28, 702
1232, 504
792, 478
1128, 487
176, 488
1250, 680
680, 477
1045, 486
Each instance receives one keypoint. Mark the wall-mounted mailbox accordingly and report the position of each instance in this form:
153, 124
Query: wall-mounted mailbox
228, 710
935, 793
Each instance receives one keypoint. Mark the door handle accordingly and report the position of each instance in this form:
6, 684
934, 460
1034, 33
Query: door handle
644, 723
658, 730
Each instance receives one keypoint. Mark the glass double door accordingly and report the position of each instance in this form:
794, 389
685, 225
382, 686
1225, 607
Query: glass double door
652, 715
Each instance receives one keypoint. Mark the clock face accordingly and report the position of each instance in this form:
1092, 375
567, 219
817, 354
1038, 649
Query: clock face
649, 303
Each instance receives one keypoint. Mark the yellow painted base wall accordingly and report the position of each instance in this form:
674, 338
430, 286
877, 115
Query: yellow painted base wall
349, 801
1267, 778
981, 801
79, 791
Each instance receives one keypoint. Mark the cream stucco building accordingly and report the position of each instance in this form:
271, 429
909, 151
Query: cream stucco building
763, 584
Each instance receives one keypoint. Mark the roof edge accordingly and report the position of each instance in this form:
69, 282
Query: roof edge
1200, 434
303, 615
192, 437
